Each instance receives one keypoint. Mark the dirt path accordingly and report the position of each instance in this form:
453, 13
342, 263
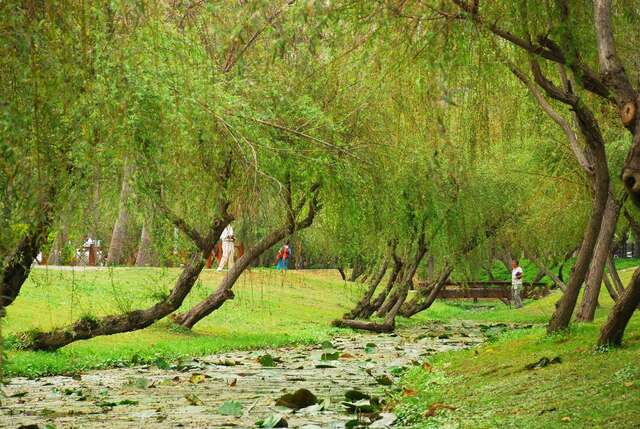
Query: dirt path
231, 389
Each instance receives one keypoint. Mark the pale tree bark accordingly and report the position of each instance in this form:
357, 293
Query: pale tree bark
146, 255
544, 269
615, 277
119, 234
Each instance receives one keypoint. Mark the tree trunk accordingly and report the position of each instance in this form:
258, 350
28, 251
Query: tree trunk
357, 271
398, 268
613, 331
17, 267
145, 256
548, 272
612, 291
602, 250
426, 297
341, 271
57, 249
613, 272
138, 319
566, 304
119, 234
224, 293
366, 299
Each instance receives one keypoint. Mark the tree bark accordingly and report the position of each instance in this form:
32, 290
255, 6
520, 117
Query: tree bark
366, 299
426, 297
146, 255
55, 255
357, 271
613, 331
615, 277
610, 288
119, 234
138, 319
368, 310
548, 272
224, 292
587, 310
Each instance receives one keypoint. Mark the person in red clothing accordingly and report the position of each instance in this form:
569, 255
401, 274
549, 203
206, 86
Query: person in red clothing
282, 258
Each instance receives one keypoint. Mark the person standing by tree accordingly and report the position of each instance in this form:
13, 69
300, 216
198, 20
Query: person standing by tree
228, 248
282, 258
516, 282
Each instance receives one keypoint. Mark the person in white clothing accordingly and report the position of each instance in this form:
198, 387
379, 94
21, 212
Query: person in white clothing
228, 247
516, 282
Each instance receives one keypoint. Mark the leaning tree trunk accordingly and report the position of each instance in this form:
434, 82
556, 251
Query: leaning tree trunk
587, 309
367, 311
119, 234
133, 320
566, 304
357, 271
366, 299
613, 293
426, 296
613, 331
224, 292
17, 267
546, 271
145, 256
613, 272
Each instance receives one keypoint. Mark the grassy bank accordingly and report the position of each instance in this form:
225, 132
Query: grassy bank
269, 310
490, 387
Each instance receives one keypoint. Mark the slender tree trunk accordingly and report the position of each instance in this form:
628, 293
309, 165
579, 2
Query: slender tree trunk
613, 272
366, 299
587, 310
342, 273
224, 292
566, 304
57, 249
119, 234
145, 256
396, 273
357, 271
543, 268
612, 291
613, 331
426, 296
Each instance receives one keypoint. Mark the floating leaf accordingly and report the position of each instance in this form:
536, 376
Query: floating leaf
384, 380
267, 360
326, 345
346, 355
273, 421
370, 348
193, 399
356, 395
19, 395
128, 402
324, 365
196, 378
301, 398
330, 356
361, 406
386, 420
230, 408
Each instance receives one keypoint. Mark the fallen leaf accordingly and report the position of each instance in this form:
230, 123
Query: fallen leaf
356, 395
301, 398
330, 356
230, 408
273, 421
384, 380
409, 392
628, 384
427, 366
346, 355
193, 399
196, 378
433, 409
566, 419
232, 383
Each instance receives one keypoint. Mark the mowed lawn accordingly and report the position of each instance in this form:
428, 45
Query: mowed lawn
270, 309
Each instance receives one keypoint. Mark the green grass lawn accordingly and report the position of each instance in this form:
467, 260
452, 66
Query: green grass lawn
490, 387
269, 310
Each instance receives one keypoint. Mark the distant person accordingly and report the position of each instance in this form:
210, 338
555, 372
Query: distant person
516, 282
282, 258
228, 248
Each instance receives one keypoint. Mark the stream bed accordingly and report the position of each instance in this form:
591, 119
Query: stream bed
237, 389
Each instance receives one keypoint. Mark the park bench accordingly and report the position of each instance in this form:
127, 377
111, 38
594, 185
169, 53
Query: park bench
494, 289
